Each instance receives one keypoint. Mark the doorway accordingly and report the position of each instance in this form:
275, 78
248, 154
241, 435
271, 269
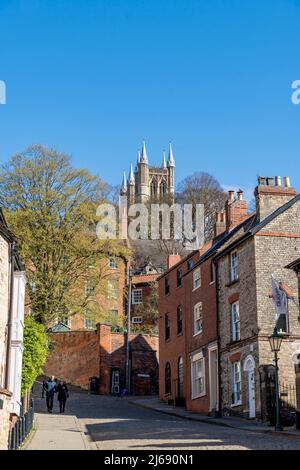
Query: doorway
213, 379
249, 368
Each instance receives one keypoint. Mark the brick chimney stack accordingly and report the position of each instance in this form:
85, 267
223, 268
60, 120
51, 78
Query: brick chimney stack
220, 226
270, 194
236, 210
173, 259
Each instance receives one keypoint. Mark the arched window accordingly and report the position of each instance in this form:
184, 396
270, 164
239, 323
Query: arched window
153, 188
162, 188
167, 378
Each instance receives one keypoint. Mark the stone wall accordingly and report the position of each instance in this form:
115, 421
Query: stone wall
5, 404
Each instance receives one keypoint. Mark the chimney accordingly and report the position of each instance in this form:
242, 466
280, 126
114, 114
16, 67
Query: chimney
236, 210
173, 259
220, 225
270, 197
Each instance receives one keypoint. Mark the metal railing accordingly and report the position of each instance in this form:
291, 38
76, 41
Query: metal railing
21, 429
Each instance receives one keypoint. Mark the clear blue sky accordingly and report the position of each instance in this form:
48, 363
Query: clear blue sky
95, 77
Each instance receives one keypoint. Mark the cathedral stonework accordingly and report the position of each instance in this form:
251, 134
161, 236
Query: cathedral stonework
149, 183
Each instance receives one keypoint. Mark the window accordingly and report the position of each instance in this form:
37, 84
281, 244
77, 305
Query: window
89, 288
89, 321
282, 320
112, 289
113, 313
167, 379
234, 266
235, 322
137, 295
190, 264
198, 326
196, 279
198, 375
179, 278
179, 320
112, 263
167, 327
167, 286
236, 383
212, 272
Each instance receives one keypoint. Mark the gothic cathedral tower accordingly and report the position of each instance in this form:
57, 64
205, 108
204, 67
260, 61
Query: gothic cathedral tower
150, 182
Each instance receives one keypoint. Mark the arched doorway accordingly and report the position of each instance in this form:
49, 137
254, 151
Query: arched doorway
249, 368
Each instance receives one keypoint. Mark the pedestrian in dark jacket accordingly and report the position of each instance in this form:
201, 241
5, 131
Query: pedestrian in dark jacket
62, 395
44, 388
51, 389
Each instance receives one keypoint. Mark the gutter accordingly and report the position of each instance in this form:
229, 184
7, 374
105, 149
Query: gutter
218, 340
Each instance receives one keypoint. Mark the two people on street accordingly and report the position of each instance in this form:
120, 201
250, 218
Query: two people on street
50, 387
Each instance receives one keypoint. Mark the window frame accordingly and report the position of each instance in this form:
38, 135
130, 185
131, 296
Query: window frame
167, 327
179, 320
195, 391
236, 385
198, 307
234, 275
179, 278
133, 299
167, 286
196, 279
112, 263
235, 321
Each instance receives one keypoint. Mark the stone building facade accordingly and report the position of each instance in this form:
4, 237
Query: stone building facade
149, 182
262, 246
12, 302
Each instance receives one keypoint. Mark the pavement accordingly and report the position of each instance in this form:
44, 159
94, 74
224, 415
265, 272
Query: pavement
135, 423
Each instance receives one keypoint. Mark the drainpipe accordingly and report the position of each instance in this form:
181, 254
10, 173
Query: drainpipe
218, 339
12, 247
129, 277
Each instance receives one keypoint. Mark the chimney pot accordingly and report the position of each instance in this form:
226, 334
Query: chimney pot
287, 182
262, 181
278, 180
231, 195
240, 195
270, 181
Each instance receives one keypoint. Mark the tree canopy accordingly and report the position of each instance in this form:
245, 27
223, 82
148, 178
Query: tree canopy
51, 208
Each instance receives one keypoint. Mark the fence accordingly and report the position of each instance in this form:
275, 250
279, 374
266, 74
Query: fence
21, 429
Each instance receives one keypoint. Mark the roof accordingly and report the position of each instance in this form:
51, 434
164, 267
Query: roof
60, 327
294, 264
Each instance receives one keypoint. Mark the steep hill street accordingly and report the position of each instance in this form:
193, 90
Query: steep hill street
109, 423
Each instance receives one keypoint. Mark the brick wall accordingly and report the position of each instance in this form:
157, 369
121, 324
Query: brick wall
79, 355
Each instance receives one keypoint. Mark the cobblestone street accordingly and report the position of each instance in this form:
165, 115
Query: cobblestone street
109, 423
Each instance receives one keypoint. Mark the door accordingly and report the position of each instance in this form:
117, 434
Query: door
213, 380
180, 378
115, 382
249, 368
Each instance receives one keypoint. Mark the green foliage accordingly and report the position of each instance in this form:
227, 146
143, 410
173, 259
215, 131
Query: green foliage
36, 348
51, 208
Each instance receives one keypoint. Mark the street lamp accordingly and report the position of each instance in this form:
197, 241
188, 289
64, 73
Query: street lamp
275, 342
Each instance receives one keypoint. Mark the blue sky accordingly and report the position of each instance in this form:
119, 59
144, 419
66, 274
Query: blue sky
94, 78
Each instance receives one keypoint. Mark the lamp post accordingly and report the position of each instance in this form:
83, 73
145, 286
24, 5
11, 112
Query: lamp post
275, 342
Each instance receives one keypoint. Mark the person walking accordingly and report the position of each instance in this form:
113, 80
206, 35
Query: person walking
51, 389
44, 388
62, 395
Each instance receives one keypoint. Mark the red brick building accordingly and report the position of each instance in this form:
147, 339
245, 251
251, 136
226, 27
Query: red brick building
188, 326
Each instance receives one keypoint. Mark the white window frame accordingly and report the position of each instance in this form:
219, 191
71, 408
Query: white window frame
236, 373
198, 386
198, 309
234, 263
137, 300
112, 293
196, 279
112, 263
235, 321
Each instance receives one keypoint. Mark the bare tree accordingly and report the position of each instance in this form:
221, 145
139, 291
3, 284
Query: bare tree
203, 188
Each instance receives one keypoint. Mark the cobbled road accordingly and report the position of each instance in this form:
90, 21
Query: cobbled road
114, 424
